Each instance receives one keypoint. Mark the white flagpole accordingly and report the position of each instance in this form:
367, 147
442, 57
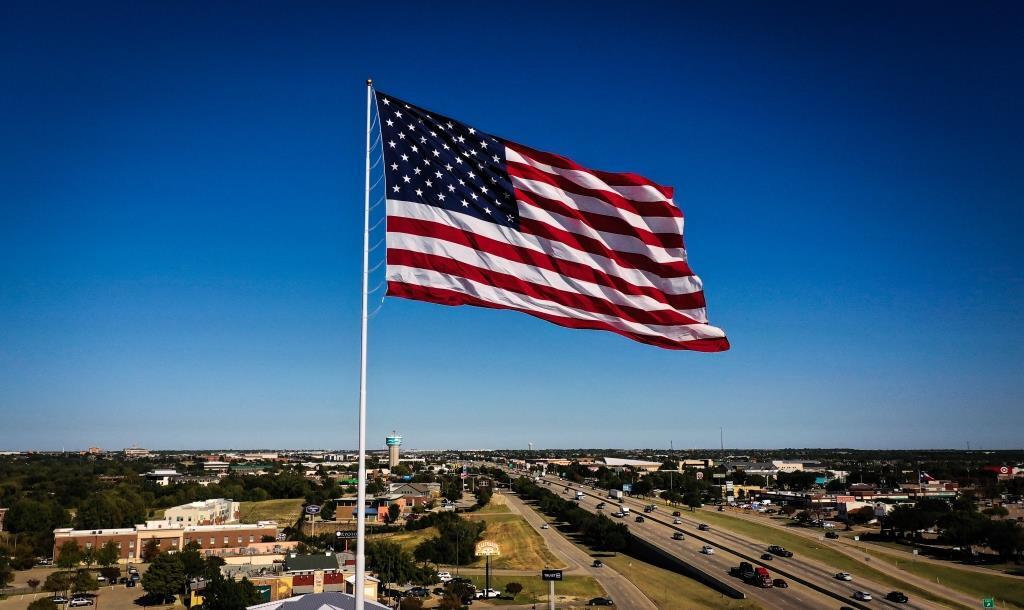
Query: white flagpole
360, 586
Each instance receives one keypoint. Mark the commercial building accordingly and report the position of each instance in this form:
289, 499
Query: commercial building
136, 452
217, 511
169, 537
623, 463
161, 476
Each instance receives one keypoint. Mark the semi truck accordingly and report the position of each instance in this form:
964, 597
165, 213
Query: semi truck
615, 494
579, 495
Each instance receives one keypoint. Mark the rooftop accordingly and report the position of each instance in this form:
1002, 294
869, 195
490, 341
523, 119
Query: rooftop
318, 601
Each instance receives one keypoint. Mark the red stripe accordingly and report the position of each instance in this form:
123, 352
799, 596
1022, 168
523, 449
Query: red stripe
677, 268
658, 209
579, 271
609, 178
601, 222
450, 297
504, 281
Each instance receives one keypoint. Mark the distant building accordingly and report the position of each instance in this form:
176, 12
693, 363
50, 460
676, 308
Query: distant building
136, 452
623, 463
94, 451
394, 442
432, 490
218, 511
212, 539
162, 476
215, 466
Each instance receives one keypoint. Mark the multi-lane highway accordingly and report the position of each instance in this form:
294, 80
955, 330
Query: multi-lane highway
731, 548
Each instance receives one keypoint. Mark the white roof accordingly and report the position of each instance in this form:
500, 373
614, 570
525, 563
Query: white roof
609, 461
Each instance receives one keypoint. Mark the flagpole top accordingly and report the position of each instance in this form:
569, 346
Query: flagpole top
369, 82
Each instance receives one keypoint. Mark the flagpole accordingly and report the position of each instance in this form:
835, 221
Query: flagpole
360, 580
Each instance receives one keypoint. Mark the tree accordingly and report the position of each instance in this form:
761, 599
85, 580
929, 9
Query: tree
58, 582
43, 603
107, 554
1006, 538
692, 499
165, 576
111, 573
6, 571
450, 602
84, 580
411, 603
227, 594
70, 555
835, 485
483, 496
862, 515
191, 561
666, 465
513, 589
33, 583
150, 550
394, 512
996, 511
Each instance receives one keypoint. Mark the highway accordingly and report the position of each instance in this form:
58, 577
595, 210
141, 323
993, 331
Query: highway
731, 548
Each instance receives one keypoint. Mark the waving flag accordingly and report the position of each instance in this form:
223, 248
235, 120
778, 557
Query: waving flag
473, 219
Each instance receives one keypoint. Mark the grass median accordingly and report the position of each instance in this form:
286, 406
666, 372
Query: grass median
578, 589
672, 591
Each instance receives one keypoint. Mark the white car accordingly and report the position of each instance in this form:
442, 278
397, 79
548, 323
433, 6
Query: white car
677, 522
863, 596
486, 594
444, 576
707, 550
844, 576
80, 601
545, 526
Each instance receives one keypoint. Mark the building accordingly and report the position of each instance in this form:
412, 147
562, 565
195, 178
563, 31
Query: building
393, 442
134, 452
218, 511
161, 476
623, 463
332, 600
431, 490
215, 467
212, 539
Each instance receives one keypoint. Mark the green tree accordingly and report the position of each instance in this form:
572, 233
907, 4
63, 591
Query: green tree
165, 576
43, 603
1006, 538
513, 589
666, 465
107, 555
150, 550
58, 582
692, 499
111, 573
6, 571
84, 580
450, 602
996, 511
227, 594
394, 512
70, 555
33, 583
411, 603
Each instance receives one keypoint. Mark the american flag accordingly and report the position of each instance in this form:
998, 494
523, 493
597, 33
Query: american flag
473, 219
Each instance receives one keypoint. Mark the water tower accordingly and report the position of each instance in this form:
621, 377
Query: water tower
394, 442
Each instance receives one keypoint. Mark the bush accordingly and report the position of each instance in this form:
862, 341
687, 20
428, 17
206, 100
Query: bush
43, 603
513, 589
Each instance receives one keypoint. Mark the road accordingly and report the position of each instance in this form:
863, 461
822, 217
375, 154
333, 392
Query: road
729, 551
623, 592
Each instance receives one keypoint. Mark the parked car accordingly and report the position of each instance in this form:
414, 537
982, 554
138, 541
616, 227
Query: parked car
597, 564
704, 527
486, 594
59, 599
707, 550
897, 596
844, 576
863, 596
418, 592
781, 584
831, 535
677, 536
444, 576
601, 601
80, 601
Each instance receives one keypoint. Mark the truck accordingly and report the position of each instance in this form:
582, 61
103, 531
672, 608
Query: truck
615, 494
762, 578
579, 495
625, 510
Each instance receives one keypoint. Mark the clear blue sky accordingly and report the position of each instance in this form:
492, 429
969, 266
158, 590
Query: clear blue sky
181, 200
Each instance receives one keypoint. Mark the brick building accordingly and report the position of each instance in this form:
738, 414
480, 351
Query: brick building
213, 539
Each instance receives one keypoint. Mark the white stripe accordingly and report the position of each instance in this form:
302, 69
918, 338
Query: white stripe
593, 205
529, 273
507, 298
547, 247
614, 241
641, 194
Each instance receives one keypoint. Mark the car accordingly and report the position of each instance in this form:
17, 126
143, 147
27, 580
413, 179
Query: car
831, 535
618, 513
897, 596
597, 564
486, 594
677, 536
677, 522
767, 556
545, 526
600, 505
780, 584
601, 601
707, 550
438, 591
59, 599
677, 513
745, 571
80, 601
704, 527
131, 582
444, 576
418, 592
780, 551
639, 519
843, 576
863, 596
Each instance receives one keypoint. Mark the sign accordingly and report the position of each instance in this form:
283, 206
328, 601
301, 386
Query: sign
312, 509
988, 602
700, 475
487, 548
718, 475
345, 535
551, 574
627, 487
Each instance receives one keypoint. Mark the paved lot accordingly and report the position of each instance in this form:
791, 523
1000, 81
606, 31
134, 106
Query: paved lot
118, 597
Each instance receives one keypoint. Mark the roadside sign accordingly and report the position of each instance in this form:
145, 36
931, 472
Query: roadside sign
551, 574
627, 487
988, 602
345, 535
487, 548
700, 475
312, 509
718, 475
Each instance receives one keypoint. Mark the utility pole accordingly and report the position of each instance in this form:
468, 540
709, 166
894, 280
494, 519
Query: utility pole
721, 439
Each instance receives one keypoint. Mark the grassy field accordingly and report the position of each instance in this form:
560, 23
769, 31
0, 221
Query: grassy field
576, 589
672, 591
522, 548
285, 512
818, 551
1007, 590
408, 540
496, 505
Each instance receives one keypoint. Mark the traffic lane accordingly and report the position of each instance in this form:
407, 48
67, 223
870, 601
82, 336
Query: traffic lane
617, 586
795, 597
808, 597
814, 572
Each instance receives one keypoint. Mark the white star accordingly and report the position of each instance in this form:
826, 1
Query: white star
448, 167
429, 183
451, 187
450, 126
472, 196
405, 157
412, 128
488, 210
433, 134
465, 203
509, 216
458, 160
483, 189
462, 182
390, 123
391, 143
436, 154
461, 139
398, 114
483, 143
386, 101
414, 149
394, 166
416, 170
437, 174
472, 131
472, 152
406, 178
396, 188
496, 159
401, 135
472, 175
440, 196
445, 146
419, 192
423, 140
